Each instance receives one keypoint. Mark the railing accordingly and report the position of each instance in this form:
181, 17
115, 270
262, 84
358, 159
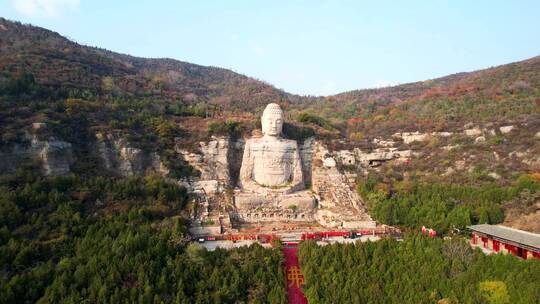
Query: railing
316, 235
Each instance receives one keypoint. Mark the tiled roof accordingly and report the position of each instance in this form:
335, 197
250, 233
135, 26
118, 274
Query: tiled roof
511, 234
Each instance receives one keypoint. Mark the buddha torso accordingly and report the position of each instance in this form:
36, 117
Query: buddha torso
273, 161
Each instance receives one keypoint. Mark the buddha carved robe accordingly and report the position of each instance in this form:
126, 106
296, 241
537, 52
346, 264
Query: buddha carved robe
271, 163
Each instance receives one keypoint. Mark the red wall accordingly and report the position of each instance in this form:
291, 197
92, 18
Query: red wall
496, 246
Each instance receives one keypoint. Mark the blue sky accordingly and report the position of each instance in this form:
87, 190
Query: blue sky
304, 47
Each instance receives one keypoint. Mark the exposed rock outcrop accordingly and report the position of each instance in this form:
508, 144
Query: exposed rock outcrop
118, 156
410, 137
473, 132
216, 155
329, 162
217, 160
480, 140
56, 156
346, 157
339, 205
506, 129
378, 156
306, 155
213, 159
385, 143
442, 134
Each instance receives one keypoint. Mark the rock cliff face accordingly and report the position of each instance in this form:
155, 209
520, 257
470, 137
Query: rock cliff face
216, 160
339, 205
118, 156
216, 155
55, 155
306, 155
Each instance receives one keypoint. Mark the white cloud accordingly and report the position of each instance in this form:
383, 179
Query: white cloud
44, 8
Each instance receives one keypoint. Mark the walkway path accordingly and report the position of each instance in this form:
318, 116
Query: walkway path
295, 278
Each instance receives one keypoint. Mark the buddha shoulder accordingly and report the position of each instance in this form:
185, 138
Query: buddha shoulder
277, 142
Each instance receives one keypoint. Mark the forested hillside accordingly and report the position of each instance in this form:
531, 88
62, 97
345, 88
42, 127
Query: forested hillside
112, 240
417, 270
58, 62
504, 94
447, 208
496, 95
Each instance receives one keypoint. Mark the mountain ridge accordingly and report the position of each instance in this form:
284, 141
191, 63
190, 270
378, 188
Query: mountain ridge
125, 65
39, 51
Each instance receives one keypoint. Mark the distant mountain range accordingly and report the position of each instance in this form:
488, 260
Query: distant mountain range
57, 61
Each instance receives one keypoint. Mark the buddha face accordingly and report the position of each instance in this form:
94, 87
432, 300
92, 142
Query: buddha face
272, 124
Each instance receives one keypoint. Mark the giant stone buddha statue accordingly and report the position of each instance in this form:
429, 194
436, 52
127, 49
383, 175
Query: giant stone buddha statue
271, 171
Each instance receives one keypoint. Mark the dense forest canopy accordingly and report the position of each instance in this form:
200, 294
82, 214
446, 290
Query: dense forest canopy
447, 208
111, 240
418, 270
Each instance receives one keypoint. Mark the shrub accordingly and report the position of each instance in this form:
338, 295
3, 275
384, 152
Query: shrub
228, 127
317, 120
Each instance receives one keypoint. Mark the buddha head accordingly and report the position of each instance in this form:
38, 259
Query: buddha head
272, 120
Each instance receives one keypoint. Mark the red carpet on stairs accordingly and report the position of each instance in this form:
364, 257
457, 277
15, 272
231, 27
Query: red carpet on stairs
295, 278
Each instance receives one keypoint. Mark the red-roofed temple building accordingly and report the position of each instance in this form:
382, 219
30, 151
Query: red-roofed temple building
495, 239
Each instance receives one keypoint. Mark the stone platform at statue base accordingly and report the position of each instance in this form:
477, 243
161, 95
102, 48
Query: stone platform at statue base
300, 200
270, 215
253, 207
